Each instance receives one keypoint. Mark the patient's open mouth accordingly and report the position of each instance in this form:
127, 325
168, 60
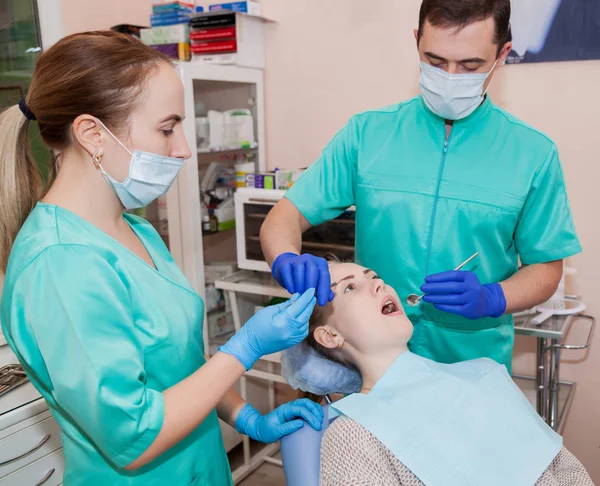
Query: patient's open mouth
390, 306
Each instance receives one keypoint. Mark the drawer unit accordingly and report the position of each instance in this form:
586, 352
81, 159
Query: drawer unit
23, 446
47, 471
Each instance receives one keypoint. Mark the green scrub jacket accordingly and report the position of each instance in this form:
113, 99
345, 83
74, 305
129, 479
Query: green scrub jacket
425, 203
101, 335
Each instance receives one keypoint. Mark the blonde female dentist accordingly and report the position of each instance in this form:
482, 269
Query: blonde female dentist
104, 322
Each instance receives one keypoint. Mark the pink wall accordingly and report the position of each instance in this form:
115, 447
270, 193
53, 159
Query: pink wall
327, 60
80, 15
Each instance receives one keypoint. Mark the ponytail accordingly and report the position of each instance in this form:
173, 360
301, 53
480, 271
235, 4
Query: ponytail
20, 181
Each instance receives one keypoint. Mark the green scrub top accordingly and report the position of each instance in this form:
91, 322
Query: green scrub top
101, 335
425, 203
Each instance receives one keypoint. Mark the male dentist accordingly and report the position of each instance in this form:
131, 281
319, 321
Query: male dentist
435, 179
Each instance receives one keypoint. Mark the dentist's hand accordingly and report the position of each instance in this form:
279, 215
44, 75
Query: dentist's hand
282, 421
461, 293
296, 273
272, 329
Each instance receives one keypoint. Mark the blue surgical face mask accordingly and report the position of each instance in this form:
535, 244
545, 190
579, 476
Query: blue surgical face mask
452, 96
150, 176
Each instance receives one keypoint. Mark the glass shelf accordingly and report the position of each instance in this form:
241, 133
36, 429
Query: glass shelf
227, 150
566, 393
553, 328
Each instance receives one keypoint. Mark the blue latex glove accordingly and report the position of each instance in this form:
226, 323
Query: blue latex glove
296, 273
461, 293
272, 329
282, 421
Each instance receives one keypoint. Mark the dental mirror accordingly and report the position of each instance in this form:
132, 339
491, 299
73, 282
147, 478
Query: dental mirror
413, 299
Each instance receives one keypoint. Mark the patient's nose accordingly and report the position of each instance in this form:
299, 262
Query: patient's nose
377, 286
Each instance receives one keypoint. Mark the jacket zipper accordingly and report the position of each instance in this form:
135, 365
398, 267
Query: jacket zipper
435, 202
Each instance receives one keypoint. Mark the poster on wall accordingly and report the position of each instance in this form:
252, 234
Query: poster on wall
555, 30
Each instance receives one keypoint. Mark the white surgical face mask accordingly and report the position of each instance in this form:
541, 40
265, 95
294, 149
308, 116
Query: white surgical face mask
452, 96
150, 176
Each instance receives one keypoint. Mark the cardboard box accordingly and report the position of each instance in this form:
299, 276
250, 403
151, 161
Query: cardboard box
171, 34
180, 51
260, 181
183, 7
250, 43
251, 8
284, 179
185, 3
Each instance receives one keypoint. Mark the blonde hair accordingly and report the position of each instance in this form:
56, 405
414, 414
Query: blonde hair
20, 181
96, 73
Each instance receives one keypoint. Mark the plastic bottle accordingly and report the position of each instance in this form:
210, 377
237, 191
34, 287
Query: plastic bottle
206, 223
214, 222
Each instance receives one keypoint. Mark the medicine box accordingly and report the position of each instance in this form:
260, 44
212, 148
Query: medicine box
180, 3
251, 8
171, 7
162, 20
246, 48
171, 34
260, 181
179, 51
284, 179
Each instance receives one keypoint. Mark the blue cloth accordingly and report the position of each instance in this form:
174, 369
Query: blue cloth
305, 369
301, 453
465, 424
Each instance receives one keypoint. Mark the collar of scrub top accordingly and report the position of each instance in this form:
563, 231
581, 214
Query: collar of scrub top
472, 120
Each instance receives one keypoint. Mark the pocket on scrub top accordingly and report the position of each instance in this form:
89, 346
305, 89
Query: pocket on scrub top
163, 366
457, 323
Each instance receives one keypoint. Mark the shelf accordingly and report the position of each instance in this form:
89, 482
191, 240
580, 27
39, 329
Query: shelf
553, 328
225, 151
249, 282
317, 246
208, 235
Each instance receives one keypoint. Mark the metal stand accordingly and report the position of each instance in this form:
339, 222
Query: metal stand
548, 386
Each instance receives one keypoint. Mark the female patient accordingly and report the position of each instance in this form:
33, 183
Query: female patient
418, 422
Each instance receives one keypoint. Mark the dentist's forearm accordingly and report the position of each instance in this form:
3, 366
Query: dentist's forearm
282, 231
531, 285
189, 402
229, 407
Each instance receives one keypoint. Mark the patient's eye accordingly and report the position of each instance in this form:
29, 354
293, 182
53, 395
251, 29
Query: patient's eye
376, 277
349, 288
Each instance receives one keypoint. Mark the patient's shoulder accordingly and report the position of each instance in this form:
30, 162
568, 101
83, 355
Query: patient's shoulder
345, 428
350, 454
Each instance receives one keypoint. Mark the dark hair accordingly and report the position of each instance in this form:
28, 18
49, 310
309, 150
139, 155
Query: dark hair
317, 320
460, 13
96, 73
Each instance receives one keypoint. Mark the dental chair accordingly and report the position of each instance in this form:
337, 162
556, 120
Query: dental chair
301, 453
306, 370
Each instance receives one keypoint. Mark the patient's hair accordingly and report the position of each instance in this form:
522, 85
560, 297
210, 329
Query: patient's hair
317, 320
